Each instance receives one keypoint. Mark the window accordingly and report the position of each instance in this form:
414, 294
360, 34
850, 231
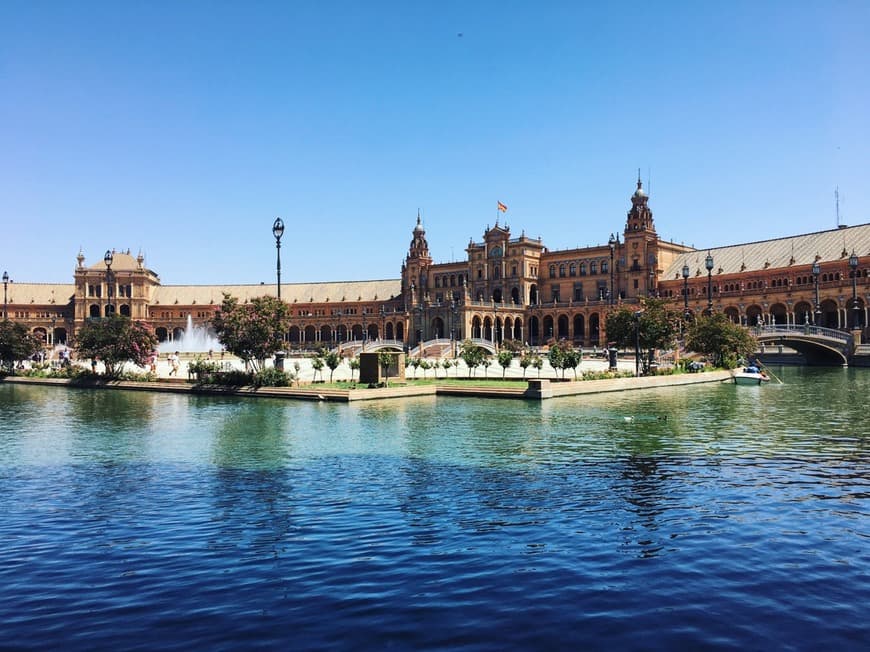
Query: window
513, 270
604, 267
572, 269
582, 269
552, 271
593, 267
562, 271
554, 293
578, 293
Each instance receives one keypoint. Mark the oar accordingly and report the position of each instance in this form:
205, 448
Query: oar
768, 371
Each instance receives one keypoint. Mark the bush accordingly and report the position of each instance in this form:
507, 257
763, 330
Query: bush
271, 377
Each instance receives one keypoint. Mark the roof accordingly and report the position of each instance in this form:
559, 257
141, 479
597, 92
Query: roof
21, 294
779, 253
326, 292
120, 262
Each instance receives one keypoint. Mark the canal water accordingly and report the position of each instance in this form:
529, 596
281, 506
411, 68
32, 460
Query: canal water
703, 517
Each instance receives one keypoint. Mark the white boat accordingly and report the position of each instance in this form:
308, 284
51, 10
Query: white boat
749, 376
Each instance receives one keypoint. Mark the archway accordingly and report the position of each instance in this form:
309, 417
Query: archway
803, 313
733, 314
389, 331
534, 330
162, 334
294, 334
125, 309
563, 327
579, 328
515, 296
594, 328
400, 331
59, 336
177, 333
518, 330
753, 315
476, 327
310, 335
779, 314
548, 328
533, 295
830, 317
325, 334
94, 310
496, 295
438, 327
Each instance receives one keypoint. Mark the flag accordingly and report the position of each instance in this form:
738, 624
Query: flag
502, 207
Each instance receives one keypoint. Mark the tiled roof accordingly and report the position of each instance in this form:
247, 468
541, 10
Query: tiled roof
120, 262
331, 292
779, 253
40, 293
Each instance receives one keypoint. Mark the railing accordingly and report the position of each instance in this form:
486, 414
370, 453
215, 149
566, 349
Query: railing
815, 331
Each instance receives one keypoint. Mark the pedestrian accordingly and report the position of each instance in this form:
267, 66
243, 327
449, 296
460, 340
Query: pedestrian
173, 363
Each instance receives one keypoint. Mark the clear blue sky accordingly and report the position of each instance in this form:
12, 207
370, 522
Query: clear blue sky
183, 128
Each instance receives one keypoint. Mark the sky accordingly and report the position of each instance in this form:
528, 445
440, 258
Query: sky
182, 129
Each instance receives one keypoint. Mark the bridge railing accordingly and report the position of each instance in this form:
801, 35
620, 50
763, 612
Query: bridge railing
806, 329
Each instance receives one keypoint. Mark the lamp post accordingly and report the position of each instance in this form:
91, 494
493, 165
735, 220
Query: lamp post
495, 325
340, 311
278, 231
853, 265
686, 291
108, 258
612, 244
453, 325
817, 312
637, 342
5, 300
708, 263
51, 335
383, 323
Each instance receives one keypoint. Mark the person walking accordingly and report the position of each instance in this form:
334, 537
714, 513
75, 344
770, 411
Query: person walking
173, 363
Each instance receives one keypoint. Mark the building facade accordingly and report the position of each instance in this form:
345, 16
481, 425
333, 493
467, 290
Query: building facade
506, 288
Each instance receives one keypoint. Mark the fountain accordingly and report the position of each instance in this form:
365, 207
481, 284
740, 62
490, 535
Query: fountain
195, 339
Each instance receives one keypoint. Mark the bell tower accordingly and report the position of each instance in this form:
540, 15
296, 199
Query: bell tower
415, 271
641, 260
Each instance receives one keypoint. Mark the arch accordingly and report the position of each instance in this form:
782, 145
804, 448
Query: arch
517, 329
310, 334
856, 318
594, 328
162, 334
548, 325
372, 331
488, 333
579, 328
533, 294
94, 310
515, 296
110, 309
125, 309
830, 317
400, 331
325, 333
803, 313
177, 333
562, 327
754, 315
356, 332
476, 328
779, 314
496, 295
733, 314
295, 335
388, 331
341, 332
534, 330
59, 336
437, 328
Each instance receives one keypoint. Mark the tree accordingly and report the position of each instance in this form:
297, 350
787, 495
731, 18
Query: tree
556, 356
425, 365
446, 363
415, 362
573, 358
385, 359
332, 360
16, 343
538, 363
317, 365
652, 327
353, 363
471, 354
504, 359
723, 341
116, 339
525, 362
485, 361
252, 331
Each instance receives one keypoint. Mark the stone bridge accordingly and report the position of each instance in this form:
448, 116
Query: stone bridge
820, 346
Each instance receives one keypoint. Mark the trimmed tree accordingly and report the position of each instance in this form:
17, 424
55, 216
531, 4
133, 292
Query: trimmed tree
504, 359
385, 359
332, 360
471, 354
253, 331
16, 343
654, 326
116, 339
723, 341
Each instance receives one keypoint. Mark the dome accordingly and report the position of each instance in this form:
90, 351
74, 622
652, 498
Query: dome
639, 192
419, 228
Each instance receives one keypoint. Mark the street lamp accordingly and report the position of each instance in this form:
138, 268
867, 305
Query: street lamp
108, 258
495, 324
853, 264
383, 323
686, 291
708, 263
453, 325
637, 342
817, 315
612, 244
278, 231
5, 300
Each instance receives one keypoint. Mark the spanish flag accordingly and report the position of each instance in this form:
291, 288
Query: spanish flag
502, 207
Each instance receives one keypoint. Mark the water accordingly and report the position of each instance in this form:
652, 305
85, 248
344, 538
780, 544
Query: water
718, 518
